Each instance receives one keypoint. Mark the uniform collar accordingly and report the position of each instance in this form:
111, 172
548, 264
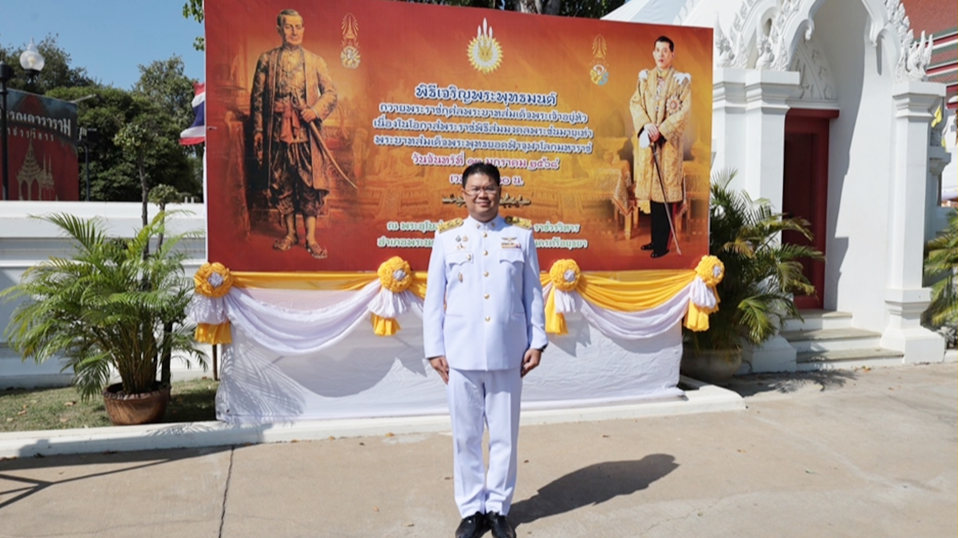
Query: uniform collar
663, 74
494, 224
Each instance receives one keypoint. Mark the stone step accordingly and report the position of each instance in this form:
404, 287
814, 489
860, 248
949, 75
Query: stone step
847, 359
818, 319
832, 339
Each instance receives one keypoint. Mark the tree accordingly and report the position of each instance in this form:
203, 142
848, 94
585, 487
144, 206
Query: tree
542, 7
57, 71
193, 9
161, 99
165, 84
169, 93
593, 9
941, 270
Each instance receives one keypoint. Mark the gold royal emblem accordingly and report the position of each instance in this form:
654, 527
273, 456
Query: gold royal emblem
485, 54
350, 55
599, 73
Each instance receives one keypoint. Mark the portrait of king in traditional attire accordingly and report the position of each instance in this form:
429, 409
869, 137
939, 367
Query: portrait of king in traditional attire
292, 95
660, 110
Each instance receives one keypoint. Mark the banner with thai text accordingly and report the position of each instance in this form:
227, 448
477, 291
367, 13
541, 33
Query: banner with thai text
42, 141
338, 131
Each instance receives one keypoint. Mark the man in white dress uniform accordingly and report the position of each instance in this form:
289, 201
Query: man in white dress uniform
484, 329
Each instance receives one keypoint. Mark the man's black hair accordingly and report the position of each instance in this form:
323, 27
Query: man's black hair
665, 39
480, 168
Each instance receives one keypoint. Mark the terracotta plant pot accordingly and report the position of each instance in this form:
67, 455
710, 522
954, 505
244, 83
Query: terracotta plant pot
129, 409
715, 366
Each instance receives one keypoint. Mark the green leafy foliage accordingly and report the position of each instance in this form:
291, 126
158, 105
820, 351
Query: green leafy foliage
193, 9
105, 307
161, 99
57, 71
941, 265
761, 273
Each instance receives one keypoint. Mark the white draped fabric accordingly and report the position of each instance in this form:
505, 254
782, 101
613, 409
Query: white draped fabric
635, 325
370, 376
296, 355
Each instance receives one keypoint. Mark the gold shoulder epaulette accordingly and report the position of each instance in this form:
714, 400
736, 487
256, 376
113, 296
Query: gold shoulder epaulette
449, 225
520, 222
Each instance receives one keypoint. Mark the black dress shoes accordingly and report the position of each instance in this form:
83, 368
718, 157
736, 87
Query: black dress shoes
473, 526
659, 253
500, 526
649, 246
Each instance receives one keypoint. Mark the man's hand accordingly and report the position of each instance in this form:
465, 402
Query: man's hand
653, 131
530, 360
440, 365
308, 114
258, 147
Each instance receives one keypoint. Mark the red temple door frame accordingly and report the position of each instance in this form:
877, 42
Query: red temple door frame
805, 188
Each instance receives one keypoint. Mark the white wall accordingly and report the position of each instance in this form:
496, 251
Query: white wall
25, 241
859, 166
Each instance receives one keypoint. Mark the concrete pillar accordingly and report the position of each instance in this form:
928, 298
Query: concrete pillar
905, 297
765, 109
728, 121
748, 126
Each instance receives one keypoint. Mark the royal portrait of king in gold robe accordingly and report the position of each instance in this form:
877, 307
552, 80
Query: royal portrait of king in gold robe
660, 112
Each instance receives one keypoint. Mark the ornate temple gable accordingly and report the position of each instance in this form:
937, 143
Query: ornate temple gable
913, 56
817, 82
765, 34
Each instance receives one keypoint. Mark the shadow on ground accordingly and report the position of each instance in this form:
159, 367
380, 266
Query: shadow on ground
592, 485
788, 382
16, 484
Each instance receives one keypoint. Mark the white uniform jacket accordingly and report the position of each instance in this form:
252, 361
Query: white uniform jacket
483, 306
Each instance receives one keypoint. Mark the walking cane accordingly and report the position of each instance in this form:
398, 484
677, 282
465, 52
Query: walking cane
658, 172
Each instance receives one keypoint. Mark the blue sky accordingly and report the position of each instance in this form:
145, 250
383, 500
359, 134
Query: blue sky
110, 38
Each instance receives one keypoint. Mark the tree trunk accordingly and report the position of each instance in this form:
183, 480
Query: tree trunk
145, 191
167, 355
541, 7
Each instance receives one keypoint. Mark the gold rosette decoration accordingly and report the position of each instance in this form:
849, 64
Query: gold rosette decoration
395, 276
711, 271
564, 275
213, 281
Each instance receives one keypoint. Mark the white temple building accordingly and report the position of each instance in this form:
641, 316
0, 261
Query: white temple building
824, 108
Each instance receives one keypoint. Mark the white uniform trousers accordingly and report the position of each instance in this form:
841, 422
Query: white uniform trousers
478, 398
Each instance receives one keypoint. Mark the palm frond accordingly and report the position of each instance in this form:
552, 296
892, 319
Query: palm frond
105, 307
761, 272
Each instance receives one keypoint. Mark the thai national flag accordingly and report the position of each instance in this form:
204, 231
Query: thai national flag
196, 134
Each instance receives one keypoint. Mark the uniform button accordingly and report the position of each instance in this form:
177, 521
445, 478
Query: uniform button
484, 234
486, 296
486, 273
485, 252
488, 318
468, 257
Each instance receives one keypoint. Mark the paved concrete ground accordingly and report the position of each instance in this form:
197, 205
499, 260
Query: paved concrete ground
833, 454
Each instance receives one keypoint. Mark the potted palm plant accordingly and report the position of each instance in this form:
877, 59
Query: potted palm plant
104, 310
761, 276
941, 270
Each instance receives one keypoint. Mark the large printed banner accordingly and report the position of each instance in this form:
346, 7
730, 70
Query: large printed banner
42, 141
349, 123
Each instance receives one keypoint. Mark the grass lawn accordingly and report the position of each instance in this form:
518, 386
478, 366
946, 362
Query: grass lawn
61, 408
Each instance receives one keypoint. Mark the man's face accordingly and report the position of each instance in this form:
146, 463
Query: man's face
662, 55
482, 197
292, 30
